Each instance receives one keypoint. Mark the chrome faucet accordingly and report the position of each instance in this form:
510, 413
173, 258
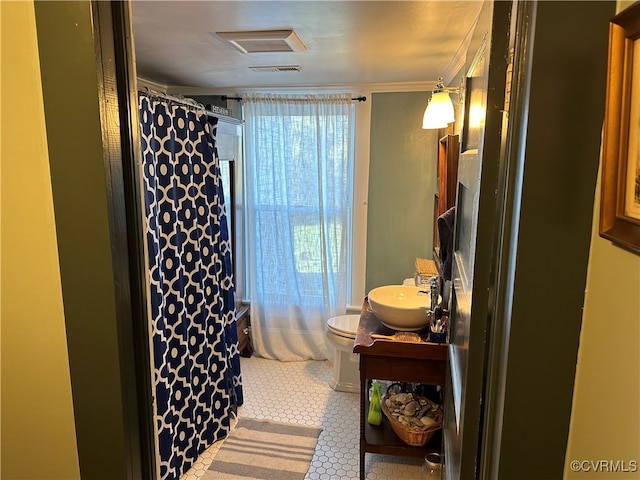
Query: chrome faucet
437, 320
435, 292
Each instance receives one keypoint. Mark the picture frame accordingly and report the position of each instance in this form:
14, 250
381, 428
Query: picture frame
620, 194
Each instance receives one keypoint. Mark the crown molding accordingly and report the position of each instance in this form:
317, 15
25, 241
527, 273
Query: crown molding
457, 63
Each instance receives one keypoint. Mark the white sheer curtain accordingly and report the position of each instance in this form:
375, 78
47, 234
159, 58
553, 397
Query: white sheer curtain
298, 173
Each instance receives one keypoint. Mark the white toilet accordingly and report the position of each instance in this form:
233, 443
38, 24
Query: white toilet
341, 333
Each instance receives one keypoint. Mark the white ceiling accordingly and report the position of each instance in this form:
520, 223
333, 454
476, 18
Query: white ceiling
348, 42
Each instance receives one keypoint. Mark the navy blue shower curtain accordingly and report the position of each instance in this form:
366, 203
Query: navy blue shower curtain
196, 363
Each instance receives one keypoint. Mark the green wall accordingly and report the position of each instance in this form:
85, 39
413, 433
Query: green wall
564, 120
402, 182
85, 227
38, 431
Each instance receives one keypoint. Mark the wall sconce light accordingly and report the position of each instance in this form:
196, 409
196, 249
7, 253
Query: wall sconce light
439, 111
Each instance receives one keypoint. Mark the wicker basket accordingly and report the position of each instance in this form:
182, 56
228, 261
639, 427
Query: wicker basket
411, 435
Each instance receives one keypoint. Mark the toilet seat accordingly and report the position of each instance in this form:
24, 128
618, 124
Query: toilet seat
344, 325
350, 336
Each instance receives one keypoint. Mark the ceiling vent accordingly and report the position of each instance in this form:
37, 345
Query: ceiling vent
277, 68
263, 41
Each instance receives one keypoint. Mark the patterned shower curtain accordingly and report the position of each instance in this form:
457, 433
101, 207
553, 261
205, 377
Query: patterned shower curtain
196, 363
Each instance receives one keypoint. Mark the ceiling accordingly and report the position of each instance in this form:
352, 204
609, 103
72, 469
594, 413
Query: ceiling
348, 42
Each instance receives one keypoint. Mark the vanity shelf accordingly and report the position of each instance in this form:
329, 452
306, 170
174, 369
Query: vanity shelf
382, 439
386, 359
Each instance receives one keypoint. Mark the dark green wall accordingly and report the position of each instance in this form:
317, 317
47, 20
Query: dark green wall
402, 181
566, 110
81, 203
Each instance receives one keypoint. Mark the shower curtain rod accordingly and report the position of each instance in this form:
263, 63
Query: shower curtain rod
356, 99
188, 102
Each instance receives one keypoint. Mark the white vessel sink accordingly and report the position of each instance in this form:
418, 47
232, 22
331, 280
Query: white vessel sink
401, 307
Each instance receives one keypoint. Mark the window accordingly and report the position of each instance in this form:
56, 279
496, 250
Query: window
229, 142
299, 190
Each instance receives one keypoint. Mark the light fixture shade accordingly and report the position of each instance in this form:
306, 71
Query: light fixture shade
430, 119
439, 111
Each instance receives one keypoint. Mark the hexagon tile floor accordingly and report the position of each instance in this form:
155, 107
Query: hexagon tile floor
299, 392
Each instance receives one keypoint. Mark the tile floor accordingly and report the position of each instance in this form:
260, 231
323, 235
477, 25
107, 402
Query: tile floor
298, 392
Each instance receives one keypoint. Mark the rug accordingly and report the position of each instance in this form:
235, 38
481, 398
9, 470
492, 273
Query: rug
262, 449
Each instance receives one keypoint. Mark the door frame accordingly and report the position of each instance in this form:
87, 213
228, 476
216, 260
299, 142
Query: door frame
88, 85
506, 233
471, 311
117, 86
542, 237
553, 146
119, 98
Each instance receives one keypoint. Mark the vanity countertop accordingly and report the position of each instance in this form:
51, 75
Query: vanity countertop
370, 324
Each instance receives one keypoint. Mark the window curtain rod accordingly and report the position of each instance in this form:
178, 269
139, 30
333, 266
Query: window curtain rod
224, 98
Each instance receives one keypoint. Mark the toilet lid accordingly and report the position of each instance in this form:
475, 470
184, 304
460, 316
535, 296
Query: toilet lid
345, 325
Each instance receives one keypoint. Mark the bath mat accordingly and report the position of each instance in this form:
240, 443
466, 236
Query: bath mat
262, 449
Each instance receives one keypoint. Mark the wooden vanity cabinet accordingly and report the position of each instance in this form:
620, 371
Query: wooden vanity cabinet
385, 359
